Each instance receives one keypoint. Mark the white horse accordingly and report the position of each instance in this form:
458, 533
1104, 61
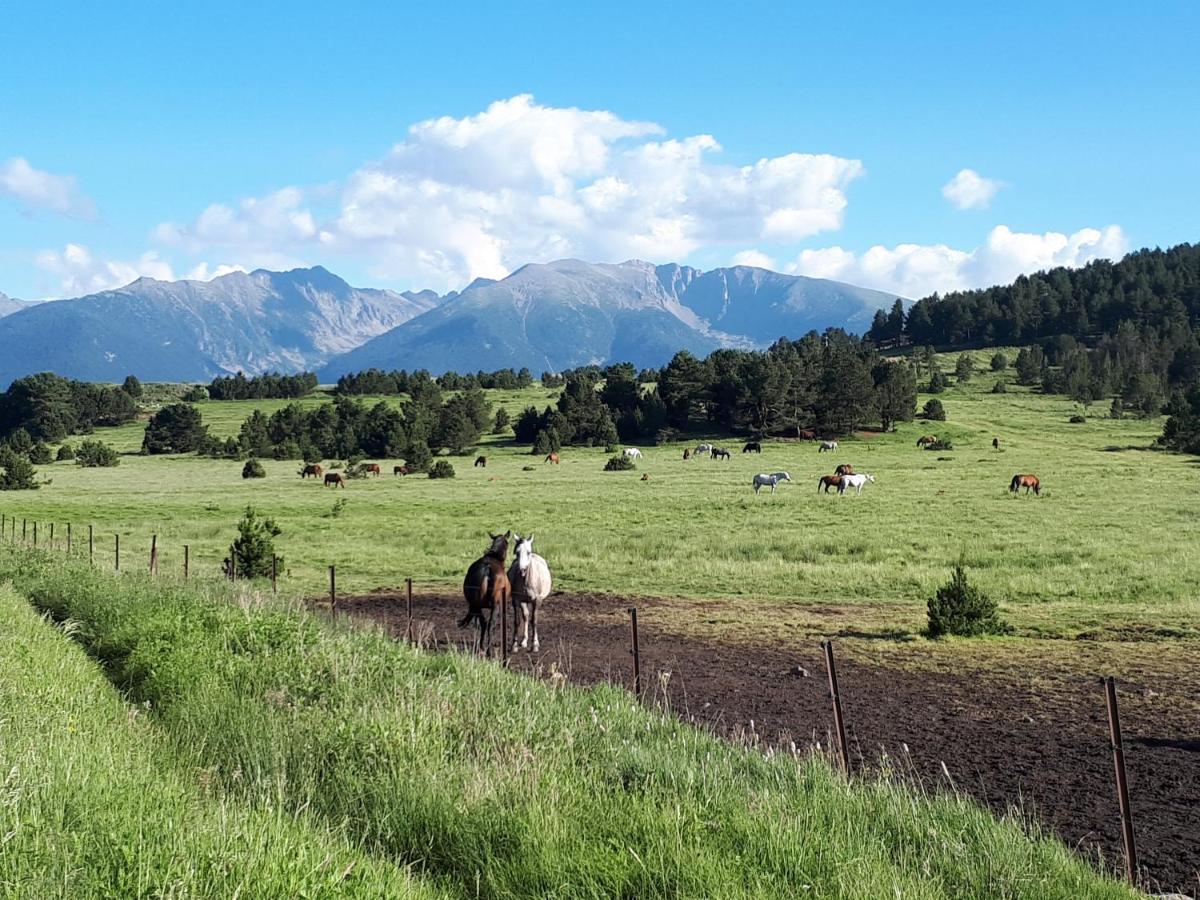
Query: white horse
530, 579
827, 445
854, 481
761, 481
702, 448
633, 452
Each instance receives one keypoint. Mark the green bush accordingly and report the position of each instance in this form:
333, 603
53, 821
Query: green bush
174, 429
96, 454
964, 368
933, 410
40, 454
961, 609
547, 442
501, 422
254, 547
999, 362
253, 469
196, 393
1000, 387
442, 469
619, 463
1077, 420
941, 444
18, 474
937, 382
65, 452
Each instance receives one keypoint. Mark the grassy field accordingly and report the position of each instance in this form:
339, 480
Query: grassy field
486, 783
1099, 554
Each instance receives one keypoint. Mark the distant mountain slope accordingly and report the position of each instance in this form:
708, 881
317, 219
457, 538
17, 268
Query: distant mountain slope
570, 313
192, 330
8, 305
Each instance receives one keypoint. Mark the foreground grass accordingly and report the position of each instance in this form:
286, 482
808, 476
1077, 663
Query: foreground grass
94, 805
493, 785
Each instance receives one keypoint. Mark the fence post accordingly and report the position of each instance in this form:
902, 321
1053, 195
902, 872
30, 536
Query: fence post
51, 535
24, 529
838, 722
35, 534
333, 592
187, 562
409, 631
3, 524
637, 653
68, 538
91, 546
274, 573
154, 554
117, 552
1118, 750
232, 563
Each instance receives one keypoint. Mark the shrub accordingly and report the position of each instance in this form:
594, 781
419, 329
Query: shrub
132, 386
547, 442
941, 444
999, 362
937, 382
174, 429
254, 547
964, 368
196, 393
18, 474
442, 469
65, 452
1000, 387
961, 608
1077, 419
619, 463
97, 454
40, 454
253, 469
501, 423
933, 410
1117, 410
418, 456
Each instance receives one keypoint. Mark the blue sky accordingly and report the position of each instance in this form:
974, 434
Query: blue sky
161, 140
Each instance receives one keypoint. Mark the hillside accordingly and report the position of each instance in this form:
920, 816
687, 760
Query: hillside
570, 313
8, 305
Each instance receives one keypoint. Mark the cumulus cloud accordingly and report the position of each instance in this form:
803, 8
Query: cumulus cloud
753, 258
917, 270
37, 190
521, 182
970, 190
80, 272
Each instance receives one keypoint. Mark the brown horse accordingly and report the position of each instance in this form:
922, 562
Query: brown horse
687, 453
313, 469
752, 447
844, 469
720, 453
807, 435
371, 468
829, 481
399, 470
485, 586
645, 476
1029, 482
552, 458
926, 440
481, 462
337, 479
995, 443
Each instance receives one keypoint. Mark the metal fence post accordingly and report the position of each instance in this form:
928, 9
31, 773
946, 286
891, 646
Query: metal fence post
333, 591
1118, 751
637, 653
408, 594
154, 554
838, 722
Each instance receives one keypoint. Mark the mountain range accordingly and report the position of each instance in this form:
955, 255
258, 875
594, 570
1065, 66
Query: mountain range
547, 317
8, 305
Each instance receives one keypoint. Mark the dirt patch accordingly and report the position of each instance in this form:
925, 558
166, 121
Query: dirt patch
1007, 735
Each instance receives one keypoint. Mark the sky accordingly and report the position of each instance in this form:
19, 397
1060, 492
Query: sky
418, 145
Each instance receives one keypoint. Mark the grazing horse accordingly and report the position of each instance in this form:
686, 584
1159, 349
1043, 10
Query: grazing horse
844, 469
854, 481
481, 462
827, 446
485, 586
829, 481
1029, 482
632, 452
702, 448
371, 468
772, 480
530, 579
399, 470
313, 469
752, 447
551, 458
926, 439
645, 476
687, 454
337, 479
995, 443
720, 453
807, 435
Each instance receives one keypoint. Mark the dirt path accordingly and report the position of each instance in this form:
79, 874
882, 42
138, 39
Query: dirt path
1006, 735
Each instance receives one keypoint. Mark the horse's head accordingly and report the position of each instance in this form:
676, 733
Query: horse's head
871, 478
523, 554
499, 547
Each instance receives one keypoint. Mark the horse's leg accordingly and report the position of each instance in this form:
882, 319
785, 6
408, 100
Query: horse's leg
485, 631
527, 612
518, 608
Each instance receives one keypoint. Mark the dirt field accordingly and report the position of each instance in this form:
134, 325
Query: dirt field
1031, 732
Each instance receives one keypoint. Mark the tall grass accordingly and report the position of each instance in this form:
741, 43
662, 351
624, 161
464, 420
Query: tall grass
493, 785
94, 804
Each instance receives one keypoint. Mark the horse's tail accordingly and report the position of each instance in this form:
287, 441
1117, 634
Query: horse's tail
1016, 482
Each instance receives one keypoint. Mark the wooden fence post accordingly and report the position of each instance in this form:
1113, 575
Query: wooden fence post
117, 552
838, 721
409, 631
637, 653
274, 574
187, 561
1118, 750
91, 546
51, 535
35, 534
154, 554
333, 592
68, 538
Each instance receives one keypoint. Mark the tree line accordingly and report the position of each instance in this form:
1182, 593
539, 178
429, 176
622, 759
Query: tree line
268, 386
400, 381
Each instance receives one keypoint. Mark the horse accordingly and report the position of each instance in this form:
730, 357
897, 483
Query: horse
926, 439
702, 448
752, 447
854, 481
844, 469
529, 577
645, 476
995, 443
632, 452
720, 453
485, 585
551, 458
337, 479
772, 480
827, 446
1029, 482
371, 468
313, 469
481, 462
807, 435
687, 454
829, 481
399, 470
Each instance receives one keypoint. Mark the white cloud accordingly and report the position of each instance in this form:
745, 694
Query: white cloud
753, 258
521, 182
38, 190
917, 270
970, 190
80, 272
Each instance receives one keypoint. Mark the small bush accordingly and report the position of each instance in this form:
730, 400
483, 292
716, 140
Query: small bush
254, 548
502, 421
441, 469
40, 454
941, 444
196, 393
547, 442
339, 507
1077, 420
253, 469
1000, 387
18, 474
619, 463
937, 382
961, 609
933, 410
999, 362
97, 454
65, 452
964, 368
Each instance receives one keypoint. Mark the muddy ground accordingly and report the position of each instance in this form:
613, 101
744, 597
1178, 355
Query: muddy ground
1008, 734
